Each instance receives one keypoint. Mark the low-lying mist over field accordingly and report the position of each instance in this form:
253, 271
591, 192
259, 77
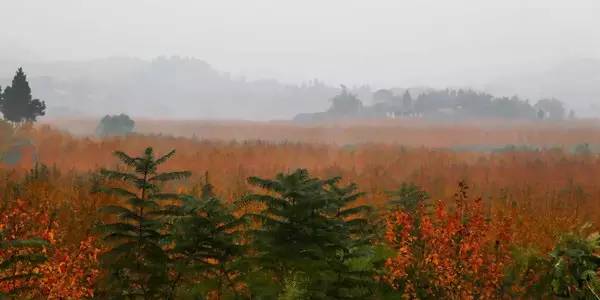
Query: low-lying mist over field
190, 88
273, 60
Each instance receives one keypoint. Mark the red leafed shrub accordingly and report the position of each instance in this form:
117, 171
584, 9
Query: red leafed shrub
70, 272
67, 272
448, 253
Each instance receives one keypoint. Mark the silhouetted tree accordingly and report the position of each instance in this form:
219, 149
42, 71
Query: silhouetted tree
407, 100
469, 103
554, 108
512, 108
383, 96
17, 104
115, 125
345, 103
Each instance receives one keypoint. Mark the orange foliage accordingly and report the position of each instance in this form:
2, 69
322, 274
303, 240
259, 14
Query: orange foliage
527, 198
19, 222
458, 253
68, 273
537, 184
413, 133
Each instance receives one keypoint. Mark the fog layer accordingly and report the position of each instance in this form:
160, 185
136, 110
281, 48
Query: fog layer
533, 48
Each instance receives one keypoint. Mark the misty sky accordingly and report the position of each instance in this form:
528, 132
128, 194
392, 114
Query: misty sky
374, 42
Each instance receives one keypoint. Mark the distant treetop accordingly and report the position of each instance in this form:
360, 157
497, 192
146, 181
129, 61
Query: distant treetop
16, 103
115, 125
345, 103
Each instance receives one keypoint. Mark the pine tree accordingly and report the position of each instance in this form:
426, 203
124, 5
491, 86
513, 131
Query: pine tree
353, 256
17, 103
308, 235
137, 262
207, 191
408, 197
208, 247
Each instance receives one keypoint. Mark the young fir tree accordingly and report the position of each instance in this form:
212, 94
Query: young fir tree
20, 257
208, 249
308, 235
353, 258
17, 104
136, 263
408, 197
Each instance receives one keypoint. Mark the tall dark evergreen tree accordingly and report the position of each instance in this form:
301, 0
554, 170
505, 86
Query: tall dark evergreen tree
137, 261
307, 237
208, 252
408, 197
17, 103
352, 259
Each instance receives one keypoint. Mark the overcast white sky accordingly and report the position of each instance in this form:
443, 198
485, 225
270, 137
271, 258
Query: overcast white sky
376, 42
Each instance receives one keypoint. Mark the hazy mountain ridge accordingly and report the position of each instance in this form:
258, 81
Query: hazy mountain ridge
165, 87
190, 88
576, 82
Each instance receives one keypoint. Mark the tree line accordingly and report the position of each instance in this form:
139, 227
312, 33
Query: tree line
448, 104
17, 106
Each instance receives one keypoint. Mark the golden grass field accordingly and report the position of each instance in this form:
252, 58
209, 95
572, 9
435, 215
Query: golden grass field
378, 157
548, 189
404, 132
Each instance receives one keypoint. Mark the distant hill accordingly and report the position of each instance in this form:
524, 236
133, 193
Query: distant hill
576, 82
164, 88
190, 88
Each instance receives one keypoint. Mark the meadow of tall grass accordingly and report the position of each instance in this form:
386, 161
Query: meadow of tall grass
547, 192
